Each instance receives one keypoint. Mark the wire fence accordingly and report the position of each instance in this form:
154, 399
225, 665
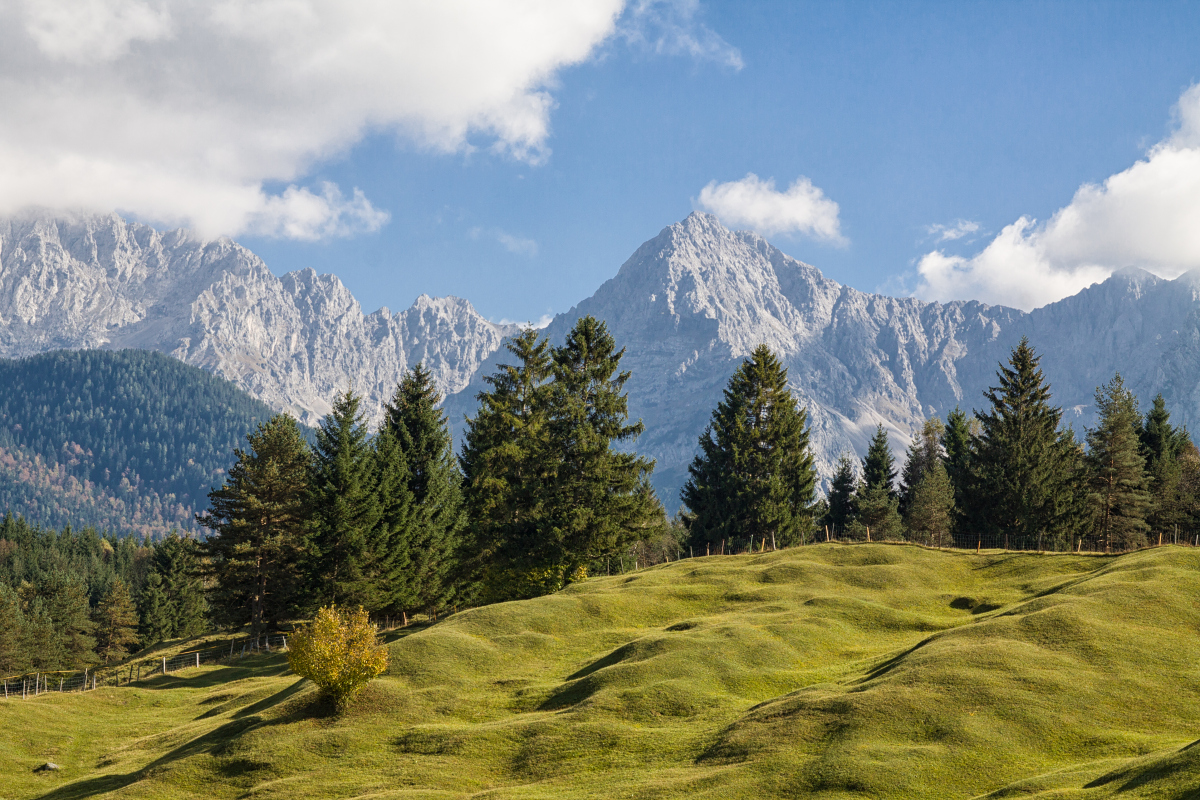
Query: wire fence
35, 684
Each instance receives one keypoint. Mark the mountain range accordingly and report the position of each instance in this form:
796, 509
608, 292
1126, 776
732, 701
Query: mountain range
688, 305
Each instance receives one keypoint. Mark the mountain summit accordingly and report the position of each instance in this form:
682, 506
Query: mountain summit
291, 341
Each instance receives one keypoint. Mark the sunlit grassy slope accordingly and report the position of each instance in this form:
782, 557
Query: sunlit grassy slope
827, 671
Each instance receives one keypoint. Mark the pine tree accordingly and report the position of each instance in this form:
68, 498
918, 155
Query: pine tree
925, 451
598, 499
505, 462
259, 516
1021, 467
841, 495
754, 474
435, 532
879, 465
116, 623
1119, 479
931, 506
344, 498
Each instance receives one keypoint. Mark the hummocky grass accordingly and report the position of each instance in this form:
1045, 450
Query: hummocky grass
828, 671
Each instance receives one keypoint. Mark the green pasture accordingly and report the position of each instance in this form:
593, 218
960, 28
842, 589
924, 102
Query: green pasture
828, 671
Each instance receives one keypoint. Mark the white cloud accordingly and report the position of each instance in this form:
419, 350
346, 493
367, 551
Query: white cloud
540, 323
180, 112
671, 27
953, 232
755, 203
1147, 216
513, 244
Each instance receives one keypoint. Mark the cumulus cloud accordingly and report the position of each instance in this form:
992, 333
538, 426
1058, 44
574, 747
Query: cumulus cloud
181, 112
949, 233
755, 203
1147, 216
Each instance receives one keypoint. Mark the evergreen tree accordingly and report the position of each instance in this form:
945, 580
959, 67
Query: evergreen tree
157, 619
956, 442
1160, 440
43, 643
754, 474
598, 499
116, 623
259, 516
1119, 480
392, 571
876, 514
177, 561
345, 502
930, 507
13, 656
505, 462
841, 496
1020, 466
879, 465
435, 531
925, 451
66, 603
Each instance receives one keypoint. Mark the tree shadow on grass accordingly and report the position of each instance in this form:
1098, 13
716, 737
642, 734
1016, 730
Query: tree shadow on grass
263, 667
216, 742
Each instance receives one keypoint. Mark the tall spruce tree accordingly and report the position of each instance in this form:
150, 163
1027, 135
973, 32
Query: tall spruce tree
13, 656
66, 603
392, 566
957, 441
177, 561
157, 618
754, 474
841, 495
923, 453
505, 462
1160, 440
598, 499
1021, 467
929, 515
345, 509
116, 623
879, 465
435, 484
1118, 479
259, 517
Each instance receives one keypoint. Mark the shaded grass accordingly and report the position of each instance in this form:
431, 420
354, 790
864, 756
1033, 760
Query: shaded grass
826, 671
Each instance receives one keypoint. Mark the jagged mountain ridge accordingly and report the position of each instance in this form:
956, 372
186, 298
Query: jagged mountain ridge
692, 302
291, 341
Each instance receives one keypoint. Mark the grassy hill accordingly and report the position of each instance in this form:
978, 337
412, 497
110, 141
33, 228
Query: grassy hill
827, 671
128, 441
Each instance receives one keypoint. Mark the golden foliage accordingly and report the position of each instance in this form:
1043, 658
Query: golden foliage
338, 652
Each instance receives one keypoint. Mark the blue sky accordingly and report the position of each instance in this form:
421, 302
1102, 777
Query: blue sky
906, 115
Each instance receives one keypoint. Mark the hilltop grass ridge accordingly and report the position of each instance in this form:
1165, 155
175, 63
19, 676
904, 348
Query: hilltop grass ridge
831, 671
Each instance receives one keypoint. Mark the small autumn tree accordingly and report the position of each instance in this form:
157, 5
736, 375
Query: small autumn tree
338, 652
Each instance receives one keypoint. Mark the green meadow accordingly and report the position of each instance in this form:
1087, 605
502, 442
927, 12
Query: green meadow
829, 671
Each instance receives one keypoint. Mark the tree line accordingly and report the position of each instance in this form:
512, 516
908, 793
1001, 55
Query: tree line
70, 599
1011, 470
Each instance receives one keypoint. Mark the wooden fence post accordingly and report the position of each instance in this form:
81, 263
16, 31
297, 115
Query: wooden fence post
197, 658
868, 533
164, 665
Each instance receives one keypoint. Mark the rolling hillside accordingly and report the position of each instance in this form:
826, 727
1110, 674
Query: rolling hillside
129, 441
828, 671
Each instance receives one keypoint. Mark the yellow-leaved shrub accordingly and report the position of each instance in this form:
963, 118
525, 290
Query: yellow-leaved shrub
338, 652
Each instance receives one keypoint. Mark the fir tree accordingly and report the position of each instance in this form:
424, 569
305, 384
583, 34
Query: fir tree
1020, 466
754, 474
177, 561
876, 514
259, 516
392, 563
956, 442
157, 619
66, 602
1118, 480
925, 451
13, 657
598, 499
116, 623
42, 641
505, 462
841, 495
930, 507
435, 484
343, 495
879, 465
1160, 440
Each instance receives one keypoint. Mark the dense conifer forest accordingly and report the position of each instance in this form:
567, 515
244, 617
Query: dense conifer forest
128, 441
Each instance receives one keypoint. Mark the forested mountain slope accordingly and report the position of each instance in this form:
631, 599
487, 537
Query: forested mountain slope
828, 671
126, 441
